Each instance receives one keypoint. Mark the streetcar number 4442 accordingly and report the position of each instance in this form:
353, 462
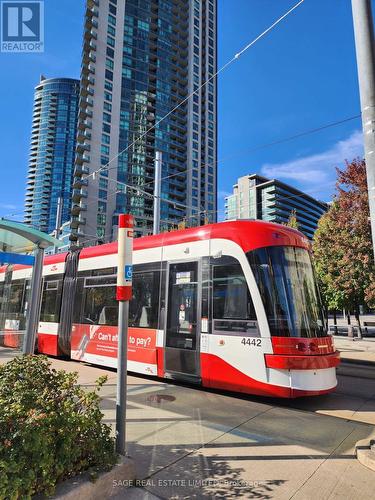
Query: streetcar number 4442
253, 342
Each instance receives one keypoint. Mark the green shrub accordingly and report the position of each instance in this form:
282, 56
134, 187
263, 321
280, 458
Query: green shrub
50, 428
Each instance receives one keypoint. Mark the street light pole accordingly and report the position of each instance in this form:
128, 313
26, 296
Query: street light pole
365, 50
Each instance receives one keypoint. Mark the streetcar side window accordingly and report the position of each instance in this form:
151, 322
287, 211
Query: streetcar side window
78, 300
233, 308
15, 297
144, 306
2, 298
51, 300
100, 307
14, 306
99, 301
231, 296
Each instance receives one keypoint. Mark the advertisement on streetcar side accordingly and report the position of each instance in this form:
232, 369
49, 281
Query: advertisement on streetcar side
98, 344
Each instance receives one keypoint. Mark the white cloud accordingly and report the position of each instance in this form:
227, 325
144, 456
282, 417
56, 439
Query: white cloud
318, 168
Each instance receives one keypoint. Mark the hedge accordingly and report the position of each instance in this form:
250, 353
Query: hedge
50, 428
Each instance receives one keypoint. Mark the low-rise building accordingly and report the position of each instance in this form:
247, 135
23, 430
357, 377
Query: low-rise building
256, 197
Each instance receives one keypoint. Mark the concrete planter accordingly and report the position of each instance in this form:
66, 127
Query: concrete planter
106, 485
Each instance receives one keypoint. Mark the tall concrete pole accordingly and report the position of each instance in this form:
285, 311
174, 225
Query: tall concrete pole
364, 42
34, 301
60, 202
59, 210
157, 189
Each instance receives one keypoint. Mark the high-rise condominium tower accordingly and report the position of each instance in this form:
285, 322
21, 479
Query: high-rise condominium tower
52, 151
141, 58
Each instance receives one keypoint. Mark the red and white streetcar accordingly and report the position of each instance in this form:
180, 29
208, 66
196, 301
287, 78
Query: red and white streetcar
231, 306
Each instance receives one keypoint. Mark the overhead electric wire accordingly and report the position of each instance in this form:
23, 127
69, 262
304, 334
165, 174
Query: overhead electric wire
221, 160
199, 213
282, 198
233, 59
249, 150
263, 146
207, 212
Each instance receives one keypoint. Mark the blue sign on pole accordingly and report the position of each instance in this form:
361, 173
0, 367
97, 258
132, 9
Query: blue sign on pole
128, 273
16, 258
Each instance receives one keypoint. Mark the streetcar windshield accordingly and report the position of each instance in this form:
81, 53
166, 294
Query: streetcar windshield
287, 285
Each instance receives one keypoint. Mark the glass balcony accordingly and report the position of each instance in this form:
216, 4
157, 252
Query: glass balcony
78, 182
74, 222
83, 147
83, 133
75, 209
76, 195
92, 12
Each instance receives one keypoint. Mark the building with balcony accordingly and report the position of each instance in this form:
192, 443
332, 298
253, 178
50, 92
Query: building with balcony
140, 60
52, 152
256, 197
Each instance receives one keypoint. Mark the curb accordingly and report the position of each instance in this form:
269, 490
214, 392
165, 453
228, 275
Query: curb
365, 451
359, 362
105, 486
356, 370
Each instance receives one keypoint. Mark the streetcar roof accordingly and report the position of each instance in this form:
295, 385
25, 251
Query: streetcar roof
248, 234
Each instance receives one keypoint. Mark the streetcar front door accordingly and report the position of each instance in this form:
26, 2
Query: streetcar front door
182, 329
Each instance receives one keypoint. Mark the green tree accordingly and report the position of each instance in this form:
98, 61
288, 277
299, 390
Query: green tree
342, 245
327, 256
292, 221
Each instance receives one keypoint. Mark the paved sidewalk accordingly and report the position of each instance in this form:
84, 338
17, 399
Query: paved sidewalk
190, 443
356, 351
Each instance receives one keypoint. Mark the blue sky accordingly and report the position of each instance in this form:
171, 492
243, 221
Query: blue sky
301, 76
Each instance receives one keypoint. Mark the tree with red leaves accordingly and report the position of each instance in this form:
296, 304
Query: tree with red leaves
343, 253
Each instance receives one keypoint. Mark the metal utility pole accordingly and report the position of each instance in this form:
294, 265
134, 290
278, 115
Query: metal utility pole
123, 295
60, 204
34, 310
364, 42
157, 189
